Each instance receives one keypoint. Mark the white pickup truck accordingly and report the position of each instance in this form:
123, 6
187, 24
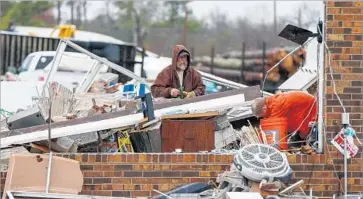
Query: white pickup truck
71, 71
74, 66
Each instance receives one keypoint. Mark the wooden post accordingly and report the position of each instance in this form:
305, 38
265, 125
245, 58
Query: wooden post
142, 64
243, 61
263, 65
212, 60
185, 28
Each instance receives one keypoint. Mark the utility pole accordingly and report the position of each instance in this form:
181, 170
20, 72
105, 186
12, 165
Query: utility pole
72, 11
299, 17
59, 14
185, 28
275, 18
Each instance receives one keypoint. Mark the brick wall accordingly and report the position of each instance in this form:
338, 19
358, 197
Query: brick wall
344, 27
138, 174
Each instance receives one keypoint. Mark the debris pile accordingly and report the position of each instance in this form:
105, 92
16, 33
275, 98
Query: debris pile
257, 171
256, 168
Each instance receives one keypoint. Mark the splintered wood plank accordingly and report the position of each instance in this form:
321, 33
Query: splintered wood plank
188, 135
191, 115
223, 100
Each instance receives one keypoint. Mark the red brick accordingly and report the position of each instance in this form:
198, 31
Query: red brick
351, 10
358, 4
189, 158
106, 187
330, 3
104, 167
92, 174
129, 187
171, 173
91, 158
352, 50
151, 174
205, 180
121, 194
140, 180
164, 187
114, 158
351, 24
142, 158
160, 180
343, 4
161, 167
322, 174
147, 187
142, 167
140, 193
180, 180
116, 187
333, 24
102, 193
358, 17
132, 174
180, 167
101, 180
344, 17
356, 30
334, 10
202, 158
121, 180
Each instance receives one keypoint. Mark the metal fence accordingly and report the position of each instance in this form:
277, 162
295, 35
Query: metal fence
14, 49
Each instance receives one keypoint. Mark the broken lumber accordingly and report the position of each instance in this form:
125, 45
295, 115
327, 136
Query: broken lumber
218, 101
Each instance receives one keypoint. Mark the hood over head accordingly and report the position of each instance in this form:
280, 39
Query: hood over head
176, 52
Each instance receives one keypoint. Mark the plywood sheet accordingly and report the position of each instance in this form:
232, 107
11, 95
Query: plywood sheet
188, 135
28, 172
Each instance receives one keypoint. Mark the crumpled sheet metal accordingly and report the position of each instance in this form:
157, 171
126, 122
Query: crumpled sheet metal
234, 178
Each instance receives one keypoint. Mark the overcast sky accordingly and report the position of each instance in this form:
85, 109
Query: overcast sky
254, 10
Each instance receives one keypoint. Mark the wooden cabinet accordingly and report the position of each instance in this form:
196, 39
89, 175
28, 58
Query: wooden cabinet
188, 135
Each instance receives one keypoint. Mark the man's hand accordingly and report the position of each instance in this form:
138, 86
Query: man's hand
189, 94
174, 92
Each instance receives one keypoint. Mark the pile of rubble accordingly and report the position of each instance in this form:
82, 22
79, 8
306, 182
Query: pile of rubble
258, 171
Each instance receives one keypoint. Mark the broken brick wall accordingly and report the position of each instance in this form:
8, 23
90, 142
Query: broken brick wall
132, 175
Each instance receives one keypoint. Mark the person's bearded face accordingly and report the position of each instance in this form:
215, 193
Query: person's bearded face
182, 63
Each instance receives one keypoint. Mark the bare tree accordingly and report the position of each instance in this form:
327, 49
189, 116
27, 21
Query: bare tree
140, 15
84, 7
78, 14
59, 10
71, 6
305, 16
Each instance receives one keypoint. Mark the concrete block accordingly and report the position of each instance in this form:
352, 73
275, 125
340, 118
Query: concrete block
85, 138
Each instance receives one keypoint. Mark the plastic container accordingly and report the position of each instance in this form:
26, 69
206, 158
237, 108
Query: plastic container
275, 130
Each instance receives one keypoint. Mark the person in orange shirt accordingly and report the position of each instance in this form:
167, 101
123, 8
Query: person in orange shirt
297, 106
